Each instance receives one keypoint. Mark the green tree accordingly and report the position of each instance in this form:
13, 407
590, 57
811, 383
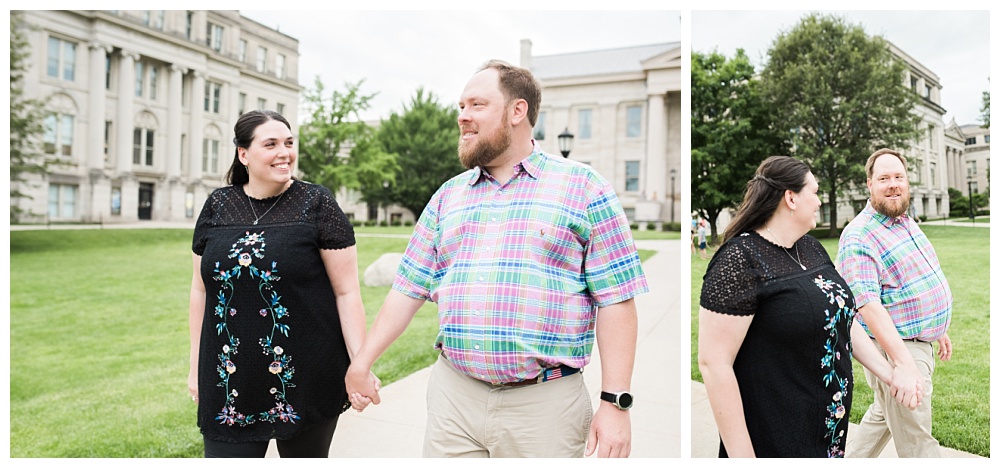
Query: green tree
731, 132
425, 137
26, 119
985, 109
336, 148
841, 94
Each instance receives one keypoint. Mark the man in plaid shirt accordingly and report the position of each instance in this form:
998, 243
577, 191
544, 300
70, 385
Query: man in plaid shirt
904, 303
527, 256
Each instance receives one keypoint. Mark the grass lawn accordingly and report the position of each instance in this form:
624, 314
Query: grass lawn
962, 385
99, 340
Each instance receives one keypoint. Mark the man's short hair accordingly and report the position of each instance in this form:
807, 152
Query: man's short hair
870, 165
517, 83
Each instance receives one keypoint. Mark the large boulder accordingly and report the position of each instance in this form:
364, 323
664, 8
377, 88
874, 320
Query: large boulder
383, 271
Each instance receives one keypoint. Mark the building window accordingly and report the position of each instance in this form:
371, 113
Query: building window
540, 126
243, 103
975, 187
189, 26
107, 72
973, 169
933, 173
584, 129
629, 213
210, 156
62, 59
213, 94
138, 79
261, 104
931, 140
116, 200
631, 176
242, 53
280, 108
913, 83
154, 74
927, 92
970, 141
153, 19
142, 145
633, 121
62, 201
214, 39
279, 66
107, 140
261, 59
986, 139
58, 138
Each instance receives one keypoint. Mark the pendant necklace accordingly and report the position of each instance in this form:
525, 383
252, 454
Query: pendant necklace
257, 218
796, 244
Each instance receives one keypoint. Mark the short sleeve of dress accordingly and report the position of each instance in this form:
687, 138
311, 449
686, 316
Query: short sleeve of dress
730, 283
335, 230
201, 226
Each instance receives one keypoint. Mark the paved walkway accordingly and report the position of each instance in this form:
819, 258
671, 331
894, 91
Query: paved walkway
395, 428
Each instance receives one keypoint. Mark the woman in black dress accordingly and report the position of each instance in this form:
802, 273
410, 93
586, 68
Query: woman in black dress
776, 326
276, 308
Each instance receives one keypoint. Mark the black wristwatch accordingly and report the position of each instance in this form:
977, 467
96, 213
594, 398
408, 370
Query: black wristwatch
621, 400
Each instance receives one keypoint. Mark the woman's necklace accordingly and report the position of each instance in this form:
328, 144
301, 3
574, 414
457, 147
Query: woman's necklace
257, 218
796, 244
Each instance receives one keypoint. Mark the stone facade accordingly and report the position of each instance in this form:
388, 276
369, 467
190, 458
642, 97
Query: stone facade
141, 104
623, 107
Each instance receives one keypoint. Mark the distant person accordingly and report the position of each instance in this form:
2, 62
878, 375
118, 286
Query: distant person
276, 305
905, 304
694, 234
527, 256
776, 328
703, 239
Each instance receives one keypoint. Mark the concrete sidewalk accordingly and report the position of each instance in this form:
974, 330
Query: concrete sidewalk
705, 435
395, 428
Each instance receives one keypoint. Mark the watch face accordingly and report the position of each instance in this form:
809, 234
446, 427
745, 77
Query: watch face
625, 400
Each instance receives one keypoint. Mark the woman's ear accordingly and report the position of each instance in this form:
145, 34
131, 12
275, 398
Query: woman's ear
790, 199
242, 154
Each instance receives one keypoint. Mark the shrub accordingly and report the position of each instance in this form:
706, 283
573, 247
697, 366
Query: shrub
407, 223
383, 223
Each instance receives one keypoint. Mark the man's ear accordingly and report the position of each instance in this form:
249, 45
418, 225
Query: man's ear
518, 112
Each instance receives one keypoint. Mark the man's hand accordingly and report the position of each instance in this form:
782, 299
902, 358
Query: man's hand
906, 386
362, 387
610, 433
944, 347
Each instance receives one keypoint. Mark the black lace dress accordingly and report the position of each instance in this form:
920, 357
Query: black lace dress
794, 366
272, 357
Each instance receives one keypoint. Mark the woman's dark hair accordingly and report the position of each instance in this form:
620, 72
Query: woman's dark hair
765, 191
245, 129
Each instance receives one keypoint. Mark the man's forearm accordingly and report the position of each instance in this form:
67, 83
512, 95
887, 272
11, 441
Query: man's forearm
395, 315
880, 325
617, 327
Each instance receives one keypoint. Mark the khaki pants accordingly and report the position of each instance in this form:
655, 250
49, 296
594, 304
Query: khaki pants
910, 430
470, 418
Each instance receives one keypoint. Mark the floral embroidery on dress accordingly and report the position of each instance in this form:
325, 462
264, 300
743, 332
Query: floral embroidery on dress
245, 250
836, 410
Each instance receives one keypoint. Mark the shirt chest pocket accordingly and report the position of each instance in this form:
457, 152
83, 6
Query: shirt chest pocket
553, 239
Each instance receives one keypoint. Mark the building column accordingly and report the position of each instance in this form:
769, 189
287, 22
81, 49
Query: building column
100, 186
124, 116
176, 188
195, 128
656, 149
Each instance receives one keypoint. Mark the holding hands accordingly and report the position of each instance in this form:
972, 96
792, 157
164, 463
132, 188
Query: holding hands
362, 387
906, 386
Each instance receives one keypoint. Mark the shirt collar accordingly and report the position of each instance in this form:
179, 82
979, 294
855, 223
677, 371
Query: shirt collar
531, 165
883, 219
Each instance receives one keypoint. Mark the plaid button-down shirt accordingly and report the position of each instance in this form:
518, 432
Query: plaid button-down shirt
890, 260
518, 270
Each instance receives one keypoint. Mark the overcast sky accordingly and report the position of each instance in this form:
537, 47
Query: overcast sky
397, 51
955, 45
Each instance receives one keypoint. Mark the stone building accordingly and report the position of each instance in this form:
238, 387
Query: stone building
623, 107
140, 106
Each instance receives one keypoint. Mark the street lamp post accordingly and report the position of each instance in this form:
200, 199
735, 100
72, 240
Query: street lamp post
972, 208
565, 142
673, 194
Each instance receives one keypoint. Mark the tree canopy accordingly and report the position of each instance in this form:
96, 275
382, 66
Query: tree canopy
840, 92
336, 148
731, 132
425, 138
26, 119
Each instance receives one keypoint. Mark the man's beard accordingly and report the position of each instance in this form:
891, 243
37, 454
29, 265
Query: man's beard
485, 149
893, 210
